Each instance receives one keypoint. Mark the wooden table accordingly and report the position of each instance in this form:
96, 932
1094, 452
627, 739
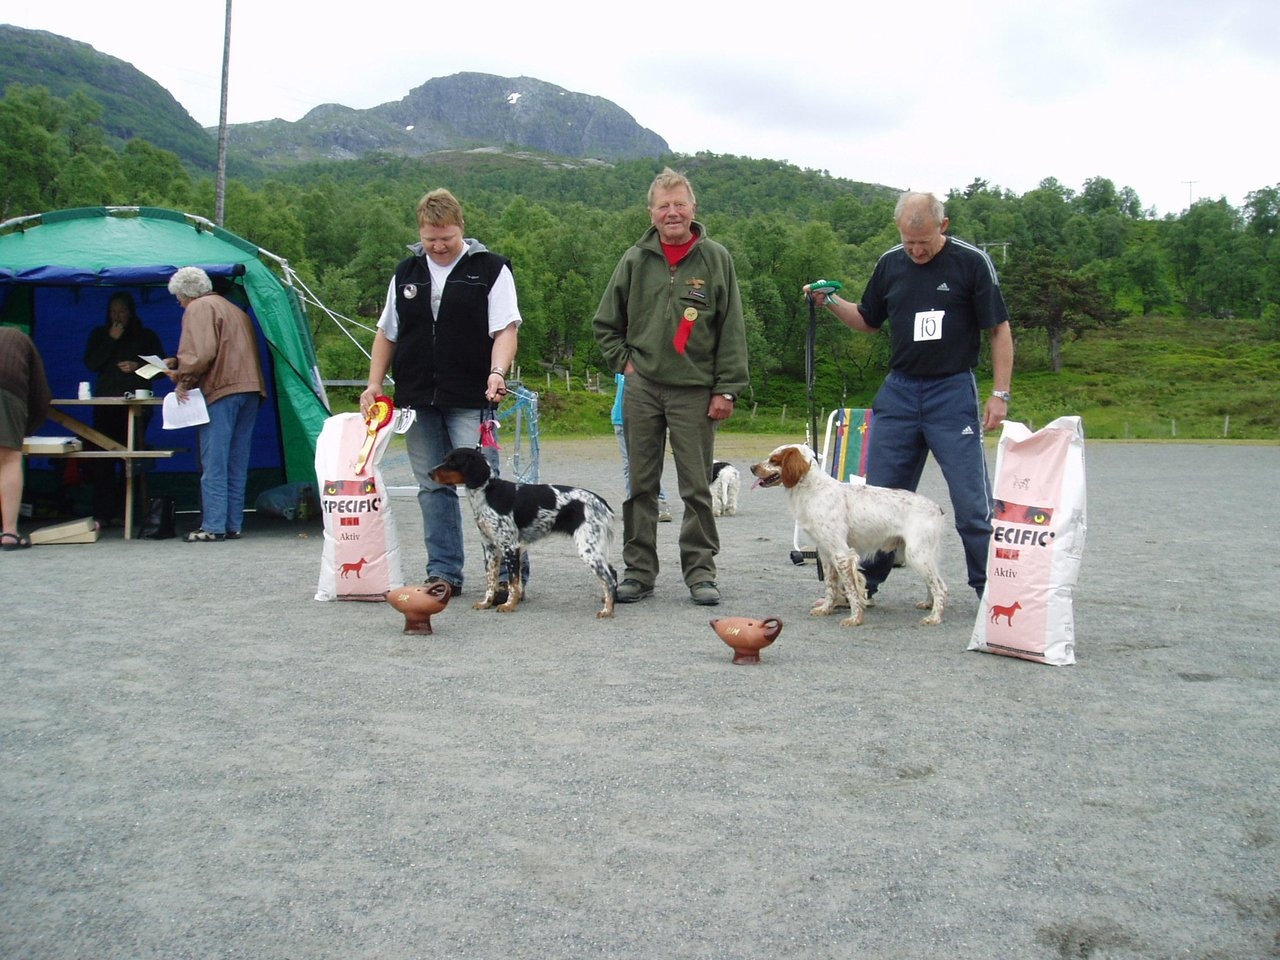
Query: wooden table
111, 449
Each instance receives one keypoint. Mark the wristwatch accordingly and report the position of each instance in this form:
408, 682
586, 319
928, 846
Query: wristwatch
728, 396
1001, 395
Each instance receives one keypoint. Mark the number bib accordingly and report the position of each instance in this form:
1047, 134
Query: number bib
929, 325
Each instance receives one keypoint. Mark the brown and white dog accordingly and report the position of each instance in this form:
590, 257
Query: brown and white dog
849, 521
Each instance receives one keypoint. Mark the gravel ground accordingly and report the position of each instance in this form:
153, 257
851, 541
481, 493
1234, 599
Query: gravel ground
197, 759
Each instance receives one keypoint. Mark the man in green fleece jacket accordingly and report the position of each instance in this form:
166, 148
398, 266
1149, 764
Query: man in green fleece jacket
671, 321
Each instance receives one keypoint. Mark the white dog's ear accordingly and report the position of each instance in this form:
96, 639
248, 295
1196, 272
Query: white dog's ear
794, 466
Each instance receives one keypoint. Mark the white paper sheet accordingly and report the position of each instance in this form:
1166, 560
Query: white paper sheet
191, 413
154, 366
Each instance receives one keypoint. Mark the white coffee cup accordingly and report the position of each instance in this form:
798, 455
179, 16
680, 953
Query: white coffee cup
86, 392
142, 394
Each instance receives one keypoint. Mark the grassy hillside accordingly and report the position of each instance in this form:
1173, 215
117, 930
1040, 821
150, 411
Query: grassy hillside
1150, 378
1156, 378
133, 105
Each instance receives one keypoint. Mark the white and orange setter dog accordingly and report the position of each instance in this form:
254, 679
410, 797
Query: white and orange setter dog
847, 521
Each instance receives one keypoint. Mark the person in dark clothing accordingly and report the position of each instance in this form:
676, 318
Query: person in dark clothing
114, 352
24, 404
448, 333
938, 295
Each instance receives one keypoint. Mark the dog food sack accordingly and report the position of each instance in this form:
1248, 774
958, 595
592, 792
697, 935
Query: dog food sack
361, 559
1037, 541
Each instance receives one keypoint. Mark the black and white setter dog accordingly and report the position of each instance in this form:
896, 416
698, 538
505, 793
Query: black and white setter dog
510, 516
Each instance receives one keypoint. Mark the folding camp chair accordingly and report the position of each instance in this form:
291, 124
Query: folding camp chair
843, 456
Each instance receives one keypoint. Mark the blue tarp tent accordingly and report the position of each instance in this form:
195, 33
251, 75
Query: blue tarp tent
59, 269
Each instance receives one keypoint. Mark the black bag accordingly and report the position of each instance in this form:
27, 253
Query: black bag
159, 522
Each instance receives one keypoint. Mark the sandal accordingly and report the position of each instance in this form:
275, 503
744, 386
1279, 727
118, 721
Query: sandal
204, 536
14, 541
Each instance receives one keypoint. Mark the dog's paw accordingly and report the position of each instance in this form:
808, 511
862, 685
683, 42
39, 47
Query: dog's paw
853, 620
508, 606
932, 620
482, 604
821, 609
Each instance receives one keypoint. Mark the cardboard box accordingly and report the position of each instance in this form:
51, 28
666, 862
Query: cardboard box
73, 531
34, 446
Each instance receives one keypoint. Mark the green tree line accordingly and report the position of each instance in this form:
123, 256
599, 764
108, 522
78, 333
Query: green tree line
1070, 260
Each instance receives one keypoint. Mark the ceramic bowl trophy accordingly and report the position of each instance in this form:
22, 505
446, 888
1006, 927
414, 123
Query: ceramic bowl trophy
746, 636
418, 604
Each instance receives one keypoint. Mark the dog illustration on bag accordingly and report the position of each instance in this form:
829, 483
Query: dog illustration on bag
1006, 612
348, 568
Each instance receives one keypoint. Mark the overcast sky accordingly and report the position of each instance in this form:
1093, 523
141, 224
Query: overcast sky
1150, 94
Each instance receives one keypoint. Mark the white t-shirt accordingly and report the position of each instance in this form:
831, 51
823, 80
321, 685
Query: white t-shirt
503, 307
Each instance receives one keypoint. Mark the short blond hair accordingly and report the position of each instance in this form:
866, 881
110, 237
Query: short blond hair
439, 208
669, 179
916, 210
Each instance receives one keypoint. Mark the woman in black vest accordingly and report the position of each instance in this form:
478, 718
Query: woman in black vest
448, 335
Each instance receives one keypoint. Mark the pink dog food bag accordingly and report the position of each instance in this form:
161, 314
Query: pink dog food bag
1037, 542
361, 559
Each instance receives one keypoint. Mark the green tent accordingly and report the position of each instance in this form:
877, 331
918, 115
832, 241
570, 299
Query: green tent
59, 269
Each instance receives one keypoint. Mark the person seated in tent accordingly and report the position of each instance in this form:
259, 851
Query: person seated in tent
24, 404
113, 352
218, 354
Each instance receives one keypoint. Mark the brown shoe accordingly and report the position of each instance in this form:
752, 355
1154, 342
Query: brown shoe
629, 591
705, 594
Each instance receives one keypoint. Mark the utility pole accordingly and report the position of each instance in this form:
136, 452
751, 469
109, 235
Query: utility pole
220, 184
1002, 244
1189, 183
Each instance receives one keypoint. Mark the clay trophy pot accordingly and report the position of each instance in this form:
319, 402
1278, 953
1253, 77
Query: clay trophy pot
747, 637
418, 604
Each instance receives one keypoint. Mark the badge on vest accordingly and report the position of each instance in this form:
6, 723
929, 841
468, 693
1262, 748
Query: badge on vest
410, 291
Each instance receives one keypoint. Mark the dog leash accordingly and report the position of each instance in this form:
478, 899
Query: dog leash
489, 427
